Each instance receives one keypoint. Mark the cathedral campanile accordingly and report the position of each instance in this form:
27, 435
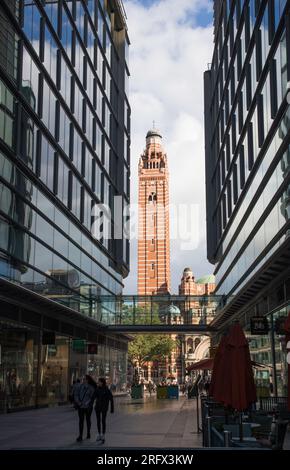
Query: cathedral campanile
153, 232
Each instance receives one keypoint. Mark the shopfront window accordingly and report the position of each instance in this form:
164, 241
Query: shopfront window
261, 354
18, 366
281, 352
53, 386
269, 352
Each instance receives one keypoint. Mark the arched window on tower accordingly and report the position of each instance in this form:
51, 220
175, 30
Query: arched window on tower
152, 270
152, 197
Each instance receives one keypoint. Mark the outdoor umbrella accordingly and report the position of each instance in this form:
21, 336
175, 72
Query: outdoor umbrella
217, 373
234, 384
239, 389
287, 330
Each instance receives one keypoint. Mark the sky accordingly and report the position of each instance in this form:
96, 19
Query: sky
171, 46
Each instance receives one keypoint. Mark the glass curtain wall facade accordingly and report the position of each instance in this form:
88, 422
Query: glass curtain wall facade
247, 141
63, 138
64, 149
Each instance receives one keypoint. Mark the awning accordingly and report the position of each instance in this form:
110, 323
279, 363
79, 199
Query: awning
207, 364
204, 364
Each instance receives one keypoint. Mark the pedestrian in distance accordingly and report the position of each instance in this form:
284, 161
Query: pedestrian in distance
70, 393
150, 388
72, 390
84, 400
104, 397
75, 388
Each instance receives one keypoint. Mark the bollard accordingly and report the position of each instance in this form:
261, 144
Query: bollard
205, 414
197, 414
208, 430
227, 438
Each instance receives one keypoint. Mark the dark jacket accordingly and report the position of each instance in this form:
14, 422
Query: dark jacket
85, 396
103, 398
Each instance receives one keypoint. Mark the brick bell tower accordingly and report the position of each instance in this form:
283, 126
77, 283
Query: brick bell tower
153, 232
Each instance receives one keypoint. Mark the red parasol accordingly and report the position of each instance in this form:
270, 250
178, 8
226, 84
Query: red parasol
233, 380
216, 377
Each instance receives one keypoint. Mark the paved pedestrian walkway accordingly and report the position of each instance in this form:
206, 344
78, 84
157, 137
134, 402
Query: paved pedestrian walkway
135, 423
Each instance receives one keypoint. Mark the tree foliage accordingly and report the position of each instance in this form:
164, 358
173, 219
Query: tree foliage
140, 315
147, 348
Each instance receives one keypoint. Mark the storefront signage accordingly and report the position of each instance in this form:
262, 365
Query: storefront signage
92, 348
280, 325
79, 345
259, 326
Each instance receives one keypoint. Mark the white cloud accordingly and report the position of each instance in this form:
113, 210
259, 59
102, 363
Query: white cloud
168, 55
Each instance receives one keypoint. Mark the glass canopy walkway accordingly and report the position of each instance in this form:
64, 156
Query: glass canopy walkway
164, 313
124, 313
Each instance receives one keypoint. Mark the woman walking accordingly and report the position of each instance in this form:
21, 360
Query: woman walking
84, 400
103, 398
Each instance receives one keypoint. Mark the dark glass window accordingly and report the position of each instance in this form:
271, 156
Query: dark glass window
48, 108
50, 53
224, 200
273, 88
66, 32
8, 47
229, 197
63, 133
30, 77
241, 107
6, 115
47, 163
249, 85
242, 167
75, 196
260, 115
31, 24
28, 140
235, 183
250, 147
77, 151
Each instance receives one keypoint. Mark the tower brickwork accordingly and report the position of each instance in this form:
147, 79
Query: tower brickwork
153, 232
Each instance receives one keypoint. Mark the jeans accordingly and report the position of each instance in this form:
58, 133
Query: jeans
101, 420
85, 412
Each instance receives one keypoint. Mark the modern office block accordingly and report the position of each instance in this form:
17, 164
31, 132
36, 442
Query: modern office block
64, 158
247, 138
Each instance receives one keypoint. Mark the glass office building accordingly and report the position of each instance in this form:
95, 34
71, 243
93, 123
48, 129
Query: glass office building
247, 146
64, 159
